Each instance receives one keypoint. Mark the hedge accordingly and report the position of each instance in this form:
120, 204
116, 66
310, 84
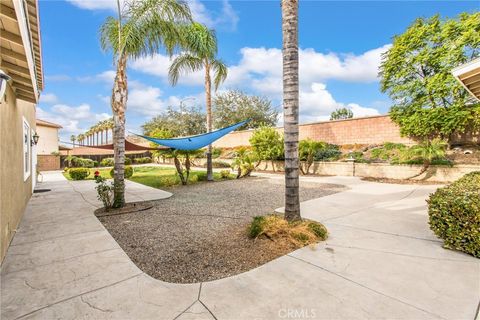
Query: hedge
109, 162
142, 160
128, 172
454, 214
78, 173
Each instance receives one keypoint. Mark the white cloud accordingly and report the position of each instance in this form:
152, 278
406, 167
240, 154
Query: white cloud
95, 4
149, 101
106, 76
48, 98
224, 17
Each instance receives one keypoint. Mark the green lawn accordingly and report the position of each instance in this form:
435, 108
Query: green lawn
156, 177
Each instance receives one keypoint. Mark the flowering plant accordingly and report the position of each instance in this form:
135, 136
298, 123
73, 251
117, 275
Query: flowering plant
104, 190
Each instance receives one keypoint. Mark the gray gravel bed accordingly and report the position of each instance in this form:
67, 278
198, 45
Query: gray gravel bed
199, 233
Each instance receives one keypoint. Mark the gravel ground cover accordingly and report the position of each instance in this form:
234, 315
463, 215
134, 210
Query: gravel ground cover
199, 234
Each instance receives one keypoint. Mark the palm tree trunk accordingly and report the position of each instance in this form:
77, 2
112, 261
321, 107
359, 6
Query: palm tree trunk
290, 108
106, 136
208, 96
119, 105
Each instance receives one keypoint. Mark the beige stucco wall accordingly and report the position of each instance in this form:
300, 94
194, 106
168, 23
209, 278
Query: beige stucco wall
48, 141
14, 190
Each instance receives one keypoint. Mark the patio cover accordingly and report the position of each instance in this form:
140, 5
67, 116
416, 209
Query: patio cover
469, 76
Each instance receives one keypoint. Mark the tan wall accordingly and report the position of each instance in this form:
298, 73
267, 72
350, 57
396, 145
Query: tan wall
379, 170
48, 141
48, 162
14, 191
368, 130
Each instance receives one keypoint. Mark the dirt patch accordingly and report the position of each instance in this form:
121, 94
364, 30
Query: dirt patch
199, 234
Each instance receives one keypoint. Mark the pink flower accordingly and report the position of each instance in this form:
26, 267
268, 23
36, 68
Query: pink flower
97, 173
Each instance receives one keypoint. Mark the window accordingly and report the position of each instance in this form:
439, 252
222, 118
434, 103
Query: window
26, 150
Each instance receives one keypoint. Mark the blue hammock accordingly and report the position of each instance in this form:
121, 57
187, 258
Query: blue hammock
195, 142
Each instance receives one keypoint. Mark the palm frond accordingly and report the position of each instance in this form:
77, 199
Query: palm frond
220, 71
183, 64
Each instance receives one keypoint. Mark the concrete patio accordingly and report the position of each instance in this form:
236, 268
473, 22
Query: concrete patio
381, 261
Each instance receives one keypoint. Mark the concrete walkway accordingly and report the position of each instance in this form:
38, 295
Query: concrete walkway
381, 261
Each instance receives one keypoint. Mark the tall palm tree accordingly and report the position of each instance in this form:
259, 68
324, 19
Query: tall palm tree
73, 138
290, 107
140, 29
80, 139
200, 45
109, 127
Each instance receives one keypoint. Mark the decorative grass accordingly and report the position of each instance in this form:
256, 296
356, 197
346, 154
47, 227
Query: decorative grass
276, 228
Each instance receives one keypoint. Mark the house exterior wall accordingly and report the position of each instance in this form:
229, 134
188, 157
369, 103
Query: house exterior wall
15, 187
48, 141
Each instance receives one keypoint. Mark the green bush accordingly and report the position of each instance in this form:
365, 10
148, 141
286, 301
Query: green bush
216, 152
128, 172
78, 173
107, 162
95, 163
110, 162
142, 160
454, 214
318, 229
267, 144
330, 152
219, 164
225, 174
255, 228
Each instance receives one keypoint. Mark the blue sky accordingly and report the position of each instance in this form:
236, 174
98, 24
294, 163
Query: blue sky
341, 43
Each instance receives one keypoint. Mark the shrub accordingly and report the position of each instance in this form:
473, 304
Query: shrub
201, 176
307, 149
216, 152
267, 144
128, 172
142, 160
298, 233
78, 173
454, 214
104, 191
95, 163
225, 174
107, 162
110, 162
330, 152
219, 164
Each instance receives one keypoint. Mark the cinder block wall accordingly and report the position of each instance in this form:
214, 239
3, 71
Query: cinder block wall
366, 130
48, 162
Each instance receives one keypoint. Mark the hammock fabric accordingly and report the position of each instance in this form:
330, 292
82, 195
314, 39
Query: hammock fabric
195, 142
128, 147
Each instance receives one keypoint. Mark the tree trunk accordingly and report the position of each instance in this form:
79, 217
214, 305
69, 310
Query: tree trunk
106, 136
119, 106
425, 167
101, 136
179, 168
208, 97
290, 108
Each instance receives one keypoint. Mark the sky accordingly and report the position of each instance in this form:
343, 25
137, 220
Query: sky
341, 43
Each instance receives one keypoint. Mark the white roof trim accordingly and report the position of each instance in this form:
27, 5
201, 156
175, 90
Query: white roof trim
23, 25
467, 67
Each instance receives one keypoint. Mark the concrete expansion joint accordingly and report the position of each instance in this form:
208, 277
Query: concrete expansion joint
198, 300
364, 286
76, 296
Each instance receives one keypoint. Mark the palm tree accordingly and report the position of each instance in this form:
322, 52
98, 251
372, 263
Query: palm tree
200, 44
109, 126
427, 151
290, 107
81, 138
140, 29
73, 138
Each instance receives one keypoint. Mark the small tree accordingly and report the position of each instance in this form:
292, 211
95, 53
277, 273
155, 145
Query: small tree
341, 113
416, 74
427, 151
234, 106
182, 122
307, 150
244, 162
267, 144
